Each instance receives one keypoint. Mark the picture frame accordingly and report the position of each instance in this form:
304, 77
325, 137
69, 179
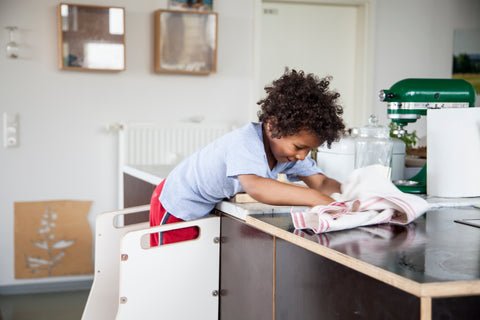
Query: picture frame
185, 41
466, 57
91, 37
198, 5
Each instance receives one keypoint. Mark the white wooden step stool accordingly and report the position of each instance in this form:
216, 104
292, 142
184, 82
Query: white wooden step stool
173, 281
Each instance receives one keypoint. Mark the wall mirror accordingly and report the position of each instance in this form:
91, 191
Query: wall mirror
185, 41
91, 37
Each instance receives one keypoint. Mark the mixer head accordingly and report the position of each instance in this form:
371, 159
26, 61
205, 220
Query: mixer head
409, 99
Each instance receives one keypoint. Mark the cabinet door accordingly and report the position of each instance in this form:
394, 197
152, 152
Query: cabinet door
309, 286
463, 308
136, 192
246, 272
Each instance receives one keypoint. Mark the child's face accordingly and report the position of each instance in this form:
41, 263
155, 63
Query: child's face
293, 148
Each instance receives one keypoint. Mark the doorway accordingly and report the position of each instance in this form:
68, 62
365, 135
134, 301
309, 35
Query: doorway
324, 38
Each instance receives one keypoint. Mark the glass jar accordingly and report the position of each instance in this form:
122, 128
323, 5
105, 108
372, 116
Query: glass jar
373, 146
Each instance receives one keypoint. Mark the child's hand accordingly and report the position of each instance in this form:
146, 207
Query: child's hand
339, 208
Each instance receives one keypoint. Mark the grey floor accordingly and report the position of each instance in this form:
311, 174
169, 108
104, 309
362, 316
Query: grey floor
43, 306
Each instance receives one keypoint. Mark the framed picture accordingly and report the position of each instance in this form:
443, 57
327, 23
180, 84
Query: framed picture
91, 37
185, 41
200, 5
466, 57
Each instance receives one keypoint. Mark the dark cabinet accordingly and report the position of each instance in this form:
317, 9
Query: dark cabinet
265, 277
464, 308
309, 286
306, 285
136, 192
246, 272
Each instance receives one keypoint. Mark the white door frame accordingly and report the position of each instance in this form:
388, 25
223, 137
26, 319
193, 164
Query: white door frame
364, 63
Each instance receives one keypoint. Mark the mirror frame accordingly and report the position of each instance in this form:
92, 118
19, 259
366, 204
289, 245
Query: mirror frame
186, 41
91, 26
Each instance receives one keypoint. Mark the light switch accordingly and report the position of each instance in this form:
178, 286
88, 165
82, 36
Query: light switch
10, 130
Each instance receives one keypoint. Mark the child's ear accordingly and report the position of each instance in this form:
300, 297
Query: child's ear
268, 124
268, 129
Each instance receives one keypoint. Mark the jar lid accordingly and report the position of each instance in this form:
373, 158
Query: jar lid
374, 130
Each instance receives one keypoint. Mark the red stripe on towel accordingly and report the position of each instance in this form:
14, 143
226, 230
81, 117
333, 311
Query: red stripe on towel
370, 202
295, 220
405, 206
302, 220
323, 240
324, 225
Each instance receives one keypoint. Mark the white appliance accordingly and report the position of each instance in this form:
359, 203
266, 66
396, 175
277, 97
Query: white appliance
339, 161
453, 152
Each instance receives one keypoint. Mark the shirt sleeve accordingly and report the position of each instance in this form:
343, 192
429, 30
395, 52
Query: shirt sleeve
242, 158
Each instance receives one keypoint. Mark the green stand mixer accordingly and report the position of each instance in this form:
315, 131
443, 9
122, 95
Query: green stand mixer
409, 99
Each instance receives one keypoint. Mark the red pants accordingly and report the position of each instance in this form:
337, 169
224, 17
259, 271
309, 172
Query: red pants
159, 216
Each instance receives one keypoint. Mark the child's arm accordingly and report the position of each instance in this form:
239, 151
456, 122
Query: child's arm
322, 183
274, 192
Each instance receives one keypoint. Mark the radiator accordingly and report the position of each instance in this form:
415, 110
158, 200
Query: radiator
145, 145
165, 144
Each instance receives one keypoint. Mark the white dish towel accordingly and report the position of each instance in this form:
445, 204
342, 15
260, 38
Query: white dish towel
368, 197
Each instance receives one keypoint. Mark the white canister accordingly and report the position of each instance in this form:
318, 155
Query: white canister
453, 152
373, 146
339, 161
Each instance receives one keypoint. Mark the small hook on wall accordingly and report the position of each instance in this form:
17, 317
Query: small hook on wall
12, 47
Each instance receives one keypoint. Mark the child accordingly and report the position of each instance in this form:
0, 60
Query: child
298, 114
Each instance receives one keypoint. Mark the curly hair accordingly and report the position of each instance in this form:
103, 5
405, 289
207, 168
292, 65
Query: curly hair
298, 101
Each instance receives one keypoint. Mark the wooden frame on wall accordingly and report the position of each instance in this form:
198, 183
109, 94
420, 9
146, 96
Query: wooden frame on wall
185, 41
91, 37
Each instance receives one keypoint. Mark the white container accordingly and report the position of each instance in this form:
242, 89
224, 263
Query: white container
339, 161
453, 152
373, 146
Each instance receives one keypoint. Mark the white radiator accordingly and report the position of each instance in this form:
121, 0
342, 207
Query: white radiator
165, 144
160, 144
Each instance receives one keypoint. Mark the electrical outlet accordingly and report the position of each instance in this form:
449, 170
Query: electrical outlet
10, 130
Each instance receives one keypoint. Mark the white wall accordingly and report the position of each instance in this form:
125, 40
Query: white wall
65, 151
414, 39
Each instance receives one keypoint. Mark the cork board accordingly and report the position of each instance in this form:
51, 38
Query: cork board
52, 238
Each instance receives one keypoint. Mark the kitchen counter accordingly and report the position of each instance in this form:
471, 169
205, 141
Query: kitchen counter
242, 210
153, 174
428, 269
432, 250
432, 256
